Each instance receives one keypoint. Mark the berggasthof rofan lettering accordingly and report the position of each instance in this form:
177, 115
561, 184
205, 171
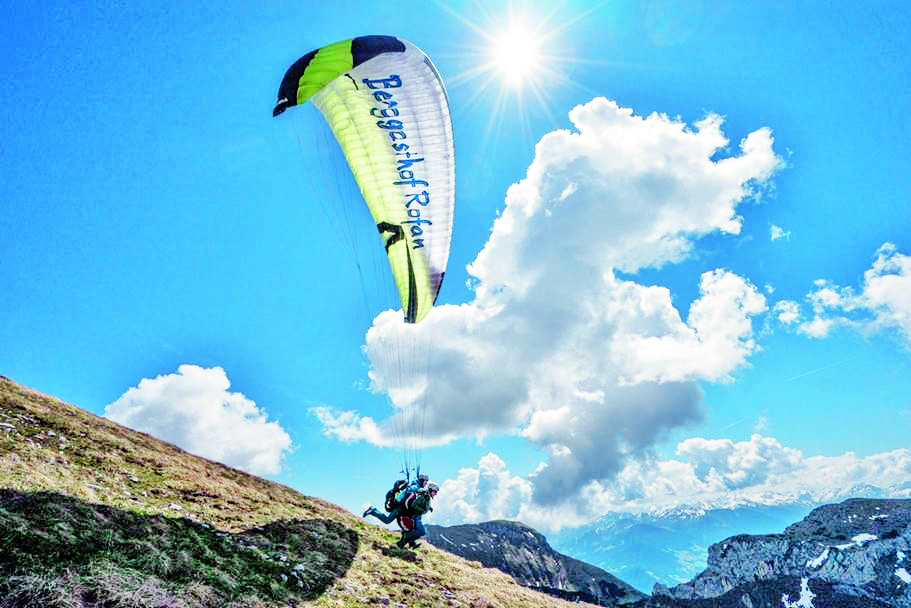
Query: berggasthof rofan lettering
406, 159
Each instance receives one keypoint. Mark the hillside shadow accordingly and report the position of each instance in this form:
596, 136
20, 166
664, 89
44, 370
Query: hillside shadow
51, 543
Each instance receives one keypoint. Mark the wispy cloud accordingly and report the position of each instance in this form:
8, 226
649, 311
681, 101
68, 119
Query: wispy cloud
788, 312
777, 232
883, 300
815, 370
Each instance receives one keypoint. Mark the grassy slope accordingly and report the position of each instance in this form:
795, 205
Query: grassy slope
92, 514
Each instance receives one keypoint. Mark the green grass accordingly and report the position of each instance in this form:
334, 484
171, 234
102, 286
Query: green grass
64, 551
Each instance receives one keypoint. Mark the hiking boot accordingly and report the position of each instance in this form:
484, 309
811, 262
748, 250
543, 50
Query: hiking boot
414, 544
369, 511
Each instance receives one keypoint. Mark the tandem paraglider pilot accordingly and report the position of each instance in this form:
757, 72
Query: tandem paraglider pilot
406, 504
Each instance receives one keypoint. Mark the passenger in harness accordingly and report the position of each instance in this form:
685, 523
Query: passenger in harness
414, 507
396, 497
406, 505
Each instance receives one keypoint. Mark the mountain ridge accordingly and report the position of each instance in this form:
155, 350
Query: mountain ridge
525, 554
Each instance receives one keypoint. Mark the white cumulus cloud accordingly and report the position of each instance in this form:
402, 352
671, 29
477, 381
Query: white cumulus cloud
710, 472
717, 337
484, 493
887, 290
558, 345
738, 464
194, 410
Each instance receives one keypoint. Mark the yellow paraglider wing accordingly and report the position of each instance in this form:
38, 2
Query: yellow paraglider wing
387, 107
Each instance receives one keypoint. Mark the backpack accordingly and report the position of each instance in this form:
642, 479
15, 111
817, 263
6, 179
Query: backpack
391, 501
417, 503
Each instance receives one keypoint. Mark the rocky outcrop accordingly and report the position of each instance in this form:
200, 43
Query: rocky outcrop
671, 546
856, 553
524, 554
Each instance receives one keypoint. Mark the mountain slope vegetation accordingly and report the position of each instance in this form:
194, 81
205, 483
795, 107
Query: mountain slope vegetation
93, 514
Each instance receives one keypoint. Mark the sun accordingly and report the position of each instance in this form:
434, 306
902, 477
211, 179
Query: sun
517, 60
517, 56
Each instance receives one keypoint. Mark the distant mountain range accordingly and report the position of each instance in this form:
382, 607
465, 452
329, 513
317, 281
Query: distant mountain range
670, 546
855, 554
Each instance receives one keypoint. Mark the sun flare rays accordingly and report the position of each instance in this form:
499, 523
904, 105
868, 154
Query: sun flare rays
520, 59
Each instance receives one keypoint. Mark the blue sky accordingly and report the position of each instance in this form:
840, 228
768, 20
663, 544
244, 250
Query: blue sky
680, 266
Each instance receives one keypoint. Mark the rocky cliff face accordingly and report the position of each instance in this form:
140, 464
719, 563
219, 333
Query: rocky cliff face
856, 553
669, 547
525, 555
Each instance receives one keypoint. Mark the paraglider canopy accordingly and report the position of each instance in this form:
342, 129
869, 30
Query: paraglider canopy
387, 107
